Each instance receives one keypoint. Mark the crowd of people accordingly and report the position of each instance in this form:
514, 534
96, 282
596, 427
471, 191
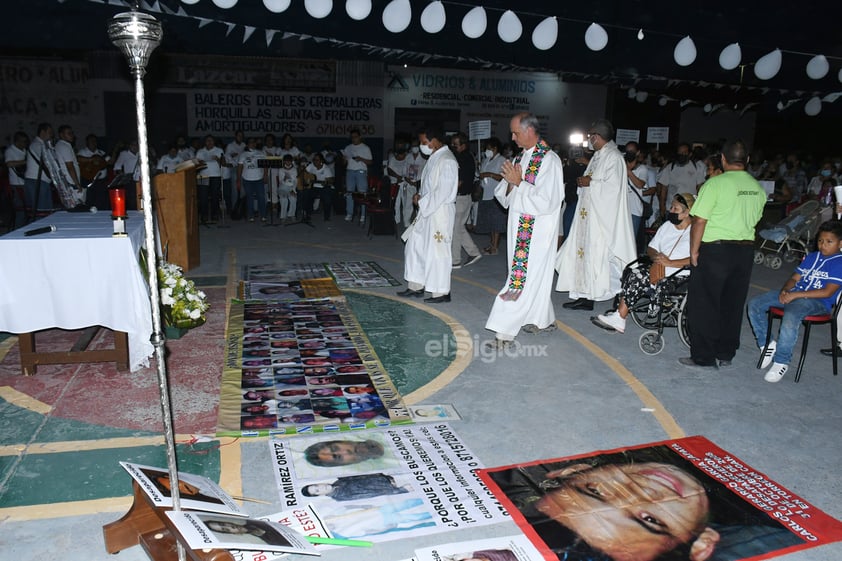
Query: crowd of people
585, 214
269, 179
698, 213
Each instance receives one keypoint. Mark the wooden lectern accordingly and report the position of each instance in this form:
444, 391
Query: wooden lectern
174, 198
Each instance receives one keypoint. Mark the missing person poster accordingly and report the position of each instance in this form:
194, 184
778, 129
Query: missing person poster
678, 499
381, 485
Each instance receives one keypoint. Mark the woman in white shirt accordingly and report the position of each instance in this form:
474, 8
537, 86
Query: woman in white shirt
670, 247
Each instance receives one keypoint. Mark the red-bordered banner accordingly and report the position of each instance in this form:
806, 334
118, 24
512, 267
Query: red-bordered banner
677, 499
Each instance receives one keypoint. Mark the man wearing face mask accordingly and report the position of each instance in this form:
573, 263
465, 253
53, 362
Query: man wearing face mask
681, 176
427, 253
600, 243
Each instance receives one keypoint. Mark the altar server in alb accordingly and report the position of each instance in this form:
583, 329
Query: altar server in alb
427, 252
532, 189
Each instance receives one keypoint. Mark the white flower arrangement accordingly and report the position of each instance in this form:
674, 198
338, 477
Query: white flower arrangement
182, 304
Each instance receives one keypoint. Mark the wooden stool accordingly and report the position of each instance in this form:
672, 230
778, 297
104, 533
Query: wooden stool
149, 527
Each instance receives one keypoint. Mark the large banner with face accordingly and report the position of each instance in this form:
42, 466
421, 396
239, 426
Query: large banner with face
381, 485
678, 499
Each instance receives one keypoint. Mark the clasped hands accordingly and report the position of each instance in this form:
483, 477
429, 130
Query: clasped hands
512, 172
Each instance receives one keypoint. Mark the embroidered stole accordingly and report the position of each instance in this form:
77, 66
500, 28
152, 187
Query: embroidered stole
526, 223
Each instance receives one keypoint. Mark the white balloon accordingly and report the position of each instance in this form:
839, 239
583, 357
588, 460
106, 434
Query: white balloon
509, 27
357, 9
189, 2
662, 101
433, 17
814, 106
318, 8
641, 96
631, 93
685, 52
731, 56
545, 34
640, 35
397, 15
595, 37
707, 108
276, 6
474, 23
818, 67
768, 65
225, 4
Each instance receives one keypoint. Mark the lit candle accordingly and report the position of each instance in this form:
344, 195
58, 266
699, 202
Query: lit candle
118, 202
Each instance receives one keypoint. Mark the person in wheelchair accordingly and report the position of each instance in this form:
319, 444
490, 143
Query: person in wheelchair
669, 247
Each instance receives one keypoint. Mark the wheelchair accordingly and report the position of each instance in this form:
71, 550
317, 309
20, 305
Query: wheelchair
662, 306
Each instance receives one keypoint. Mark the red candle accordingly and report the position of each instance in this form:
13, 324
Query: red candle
118, 202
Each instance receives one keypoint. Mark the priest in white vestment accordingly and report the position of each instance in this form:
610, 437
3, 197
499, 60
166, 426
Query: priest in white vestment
533, 190
427, 254
590, 263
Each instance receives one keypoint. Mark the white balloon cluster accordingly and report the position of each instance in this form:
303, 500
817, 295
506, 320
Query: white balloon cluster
397, 15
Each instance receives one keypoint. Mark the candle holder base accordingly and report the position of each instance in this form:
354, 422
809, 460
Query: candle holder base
119, 223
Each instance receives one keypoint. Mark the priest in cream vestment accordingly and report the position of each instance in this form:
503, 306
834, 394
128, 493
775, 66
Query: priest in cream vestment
601, 243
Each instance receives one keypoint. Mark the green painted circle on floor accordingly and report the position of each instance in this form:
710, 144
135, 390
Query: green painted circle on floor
401, 335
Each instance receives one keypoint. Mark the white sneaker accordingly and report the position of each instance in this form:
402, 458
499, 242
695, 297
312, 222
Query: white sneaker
768, 354
362, 219
776, 372
347, 218
613, 319
474, 259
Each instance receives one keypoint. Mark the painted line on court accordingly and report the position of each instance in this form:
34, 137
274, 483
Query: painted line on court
24, 401
456, 367
664, 418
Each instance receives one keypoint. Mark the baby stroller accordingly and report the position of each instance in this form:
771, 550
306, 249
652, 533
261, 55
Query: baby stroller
790, 239
664, 306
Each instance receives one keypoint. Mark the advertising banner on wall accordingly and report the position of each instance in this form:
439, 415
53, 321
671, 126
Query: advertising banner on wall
36, 91
496, 96
303, 114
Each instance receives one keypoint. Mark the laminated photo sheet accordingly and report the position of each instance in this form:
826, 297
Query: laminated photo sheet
196, 492
207, 530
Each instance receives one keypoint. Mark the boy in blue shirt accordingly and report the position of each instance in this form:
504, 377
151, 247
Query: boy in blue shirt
812, 290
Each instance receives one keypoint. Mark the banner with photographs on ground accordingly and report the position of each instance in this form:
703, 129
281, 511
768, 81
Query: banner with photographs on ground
386, 484
302, 366
257, 279
677, 499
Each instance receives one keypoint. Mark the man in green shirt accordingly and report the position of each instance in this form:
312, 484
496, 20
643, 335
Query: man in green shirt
721, 252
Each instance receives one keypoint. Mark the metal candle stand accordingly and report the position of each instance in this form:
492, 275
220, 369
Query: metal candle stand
137, 35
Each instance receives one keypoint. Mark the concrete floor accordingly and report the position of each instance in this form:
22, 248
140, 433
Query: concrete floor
593, 390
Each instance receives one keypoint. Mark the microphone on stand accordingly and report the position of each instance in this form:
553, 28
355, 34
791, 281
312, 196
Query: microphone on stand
38, 231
